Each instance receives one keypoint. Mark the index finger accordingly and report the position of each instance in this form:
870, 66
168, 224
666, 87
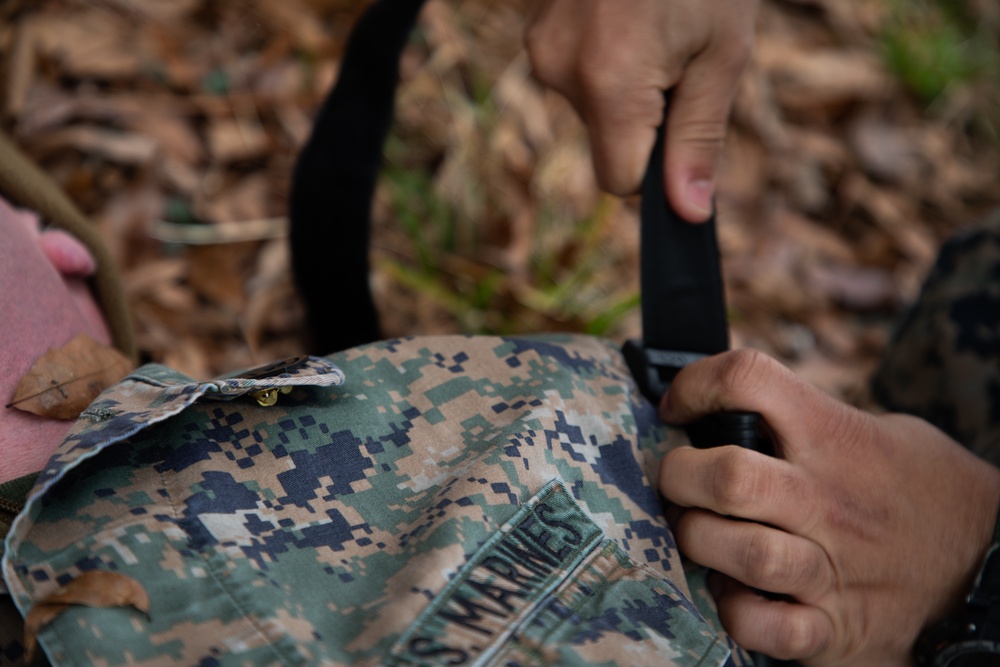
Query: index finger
750, 380
736, 482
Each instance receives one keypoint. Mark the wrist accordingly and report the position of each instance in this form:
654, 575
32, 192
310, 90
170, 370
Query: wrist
969, 634
989, 535
985, 514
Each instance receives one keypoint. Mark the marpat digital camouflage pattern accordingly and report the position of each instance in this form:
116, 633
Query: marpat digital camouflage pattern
430, 501
944, 363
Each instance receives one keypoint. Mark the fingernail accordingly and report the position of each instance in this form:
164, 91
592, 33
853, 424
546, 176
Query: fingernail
699, 195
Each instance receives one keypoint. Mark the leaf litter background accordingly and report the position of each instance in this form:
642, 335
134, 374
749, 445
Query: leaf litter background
862, 137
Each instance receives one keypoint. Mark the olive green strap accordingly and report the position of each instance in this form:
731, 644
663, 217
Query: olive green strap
25, 184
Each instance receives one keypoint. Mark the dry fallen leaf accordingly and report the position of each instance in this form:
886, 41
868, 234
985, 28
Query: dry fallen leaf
65, 380
221, 96
232, 139
92, 43
91, 589
125, 148
823, 77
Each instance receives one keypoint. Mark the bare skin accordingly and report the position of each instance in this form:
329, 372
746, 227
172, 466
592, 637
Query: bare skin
45, 303
873, 526
613, 60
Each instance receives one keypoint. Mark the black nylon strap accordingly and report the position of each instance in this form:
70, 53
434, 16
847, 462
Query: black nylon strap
683, 306
684, 314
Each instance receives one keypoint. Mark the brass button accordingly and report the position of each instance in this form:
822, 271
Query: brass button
266, 397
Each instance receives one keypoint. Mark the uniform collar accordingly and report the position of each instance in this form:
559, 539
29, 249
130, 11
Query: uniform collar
154, 393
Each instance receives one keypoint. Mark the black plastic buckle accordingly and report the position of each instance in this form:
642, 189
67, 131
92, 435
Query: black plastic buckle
654, 370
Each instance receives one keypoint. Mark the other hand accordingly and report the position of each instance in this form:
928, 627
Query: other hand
867, 528
613, 60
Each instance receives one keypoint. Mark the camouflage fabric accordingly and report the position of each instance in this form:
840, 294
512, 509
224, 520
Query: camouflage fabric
944, 363
432, 501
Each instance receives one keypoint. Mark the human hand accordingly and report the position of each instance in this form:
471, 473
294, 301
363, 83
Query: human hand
613, 60
870, 527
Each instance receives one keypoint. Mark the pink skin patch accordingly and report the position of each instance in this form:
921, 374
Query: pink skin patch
68, 256
45, 302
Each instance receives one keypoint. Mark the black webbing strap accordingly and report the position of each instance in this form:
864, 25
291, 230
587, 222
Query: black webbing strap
683, 306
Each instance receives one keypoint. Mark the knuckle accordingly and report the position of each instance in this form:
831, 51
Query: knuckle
797, 638
597, 79
599, 71
545, 65
735, 480
767, 562
734, 40
742, 372
701, 145
703, 133
773, 565
807, 572
738, 50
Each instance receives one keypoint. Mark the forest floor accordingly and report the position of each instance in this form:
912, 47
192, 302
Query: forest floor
863, 136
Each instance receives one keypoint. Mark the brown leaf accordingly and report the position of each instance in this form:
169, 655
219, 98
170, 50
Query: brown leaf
218, 272
127, 148
92, 43
90, 589
244, 200
853, 287
886, 151
65, 380
231, 139
296, 20
809, 79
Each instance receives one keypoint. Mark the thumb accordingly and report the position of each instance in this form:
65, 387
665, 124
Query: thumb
696, 131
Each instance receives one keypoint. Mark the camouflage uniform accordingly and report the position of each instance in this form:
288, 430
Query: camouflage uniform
430, 501
944, 363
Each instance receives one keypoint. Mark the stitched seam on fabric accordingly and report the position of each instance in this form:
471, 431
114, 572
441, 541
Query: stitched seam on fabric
708, 652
